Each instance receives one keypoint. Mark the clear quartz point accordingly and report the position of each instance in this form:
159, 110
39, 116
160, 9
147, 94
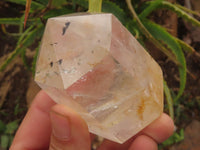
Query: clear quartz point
93, 64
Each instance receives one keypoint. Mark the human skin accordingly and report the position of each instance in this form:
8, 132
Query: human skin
48, 125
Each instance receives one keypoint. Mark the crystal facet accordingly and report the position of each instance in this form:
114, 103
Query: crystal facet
94, 65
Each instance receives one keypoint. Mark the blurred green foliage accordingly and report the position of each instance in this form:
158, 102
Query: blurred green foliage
7, 133
175, 138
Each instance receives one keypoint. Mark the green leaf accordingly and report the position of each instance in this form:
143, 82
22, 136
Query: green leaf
169, 100
11, 21
175, 8
180, 13
188, 10
34, 34
24, 59
17, 109
2, 126
5, 141
26, 32
148, 35
187, 48
21, 26
34, 60
175, 138
10, 58
162, 35
17, 21
132, 27
111, 7
12, 127
151, 7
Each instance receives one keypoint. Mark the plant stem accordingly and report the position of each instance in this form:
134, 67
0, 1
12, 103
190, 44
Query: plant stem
95, 6
149, 36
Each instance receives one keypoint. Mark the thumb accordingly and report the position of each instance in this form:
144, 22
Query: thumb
69, 131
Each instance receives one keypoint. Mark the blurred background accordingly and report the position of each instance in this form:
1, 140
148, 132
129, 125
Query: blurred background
169, 31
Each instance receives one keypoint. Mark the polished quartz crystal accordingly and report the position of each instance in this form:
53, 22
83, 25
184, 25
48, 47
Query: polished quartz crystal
92, 63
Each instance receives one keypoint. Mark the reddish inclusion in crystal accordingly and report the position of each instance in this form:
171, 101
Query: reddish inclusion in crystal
97, 81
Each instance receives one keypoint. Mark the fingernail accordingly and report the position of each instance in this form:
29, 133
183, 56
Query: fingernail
60, 126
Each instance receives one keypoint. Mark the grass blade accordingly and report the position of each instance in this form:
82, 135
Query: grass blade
187, 48
10, 58
11, 21
33, 35
34, 60
18, 21
24, 60
188, 10
149, 36
169, 100
26, 32
180, 11
30, 38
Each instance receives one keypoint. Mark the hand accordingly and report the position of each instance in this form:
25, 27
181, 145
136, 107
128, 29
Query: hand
56, 127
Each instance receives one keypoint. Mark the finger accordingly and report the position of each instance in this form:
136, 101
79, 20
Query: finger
143, 142
69, 130
160, 129
35, 130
